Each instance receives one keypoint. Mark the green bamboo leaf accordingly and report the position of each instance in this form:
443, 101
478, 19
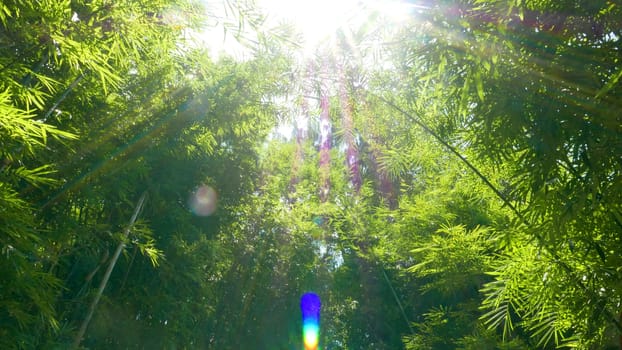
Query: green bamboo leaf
37, 176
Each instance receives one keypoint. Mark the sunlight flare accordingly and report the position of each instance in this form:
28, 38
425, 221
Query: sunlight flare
203, 201
310, 306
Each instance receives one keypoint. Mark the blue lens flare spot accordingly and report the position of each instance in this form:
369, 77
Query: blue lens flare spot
310, 305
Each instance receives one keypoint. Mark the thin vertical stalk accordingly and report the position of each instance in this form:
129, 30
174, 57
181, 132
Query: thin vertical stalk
104, 282
397, 300
352, 156
325, 145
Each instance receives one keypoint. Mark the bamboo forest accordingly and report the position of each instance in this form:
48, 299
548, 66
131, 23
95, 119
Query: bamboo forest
365, 174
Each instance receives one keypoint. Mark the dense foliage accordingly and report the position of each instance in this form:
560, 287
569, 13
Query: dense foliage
451, 183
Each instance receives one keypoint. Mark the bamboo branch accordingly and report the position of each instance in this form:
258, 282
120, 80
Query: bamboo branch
556, 258
104, 282
397, 300
63, 96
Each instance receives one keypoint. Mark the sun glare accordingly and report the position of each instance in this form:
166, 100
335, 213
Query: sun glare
317, 21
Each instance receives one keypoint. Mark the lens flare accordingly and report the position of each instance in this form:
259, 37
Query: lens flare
310, 306
203, 201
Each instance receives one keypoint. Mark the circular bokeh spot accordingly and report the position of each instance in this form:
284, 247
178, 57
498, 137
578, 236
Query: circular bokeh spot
203, 201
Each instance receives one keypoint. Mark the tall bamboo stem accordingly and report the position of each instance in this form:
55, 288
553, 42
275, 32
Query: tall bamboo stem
104, 282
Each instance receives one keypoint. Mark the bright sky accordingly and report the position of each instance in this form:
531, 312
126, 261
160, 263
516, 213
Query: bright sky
316, 19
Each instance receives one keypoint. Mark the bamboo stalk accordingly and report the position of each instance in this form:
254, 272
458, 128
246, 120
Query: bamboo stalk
104, 282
